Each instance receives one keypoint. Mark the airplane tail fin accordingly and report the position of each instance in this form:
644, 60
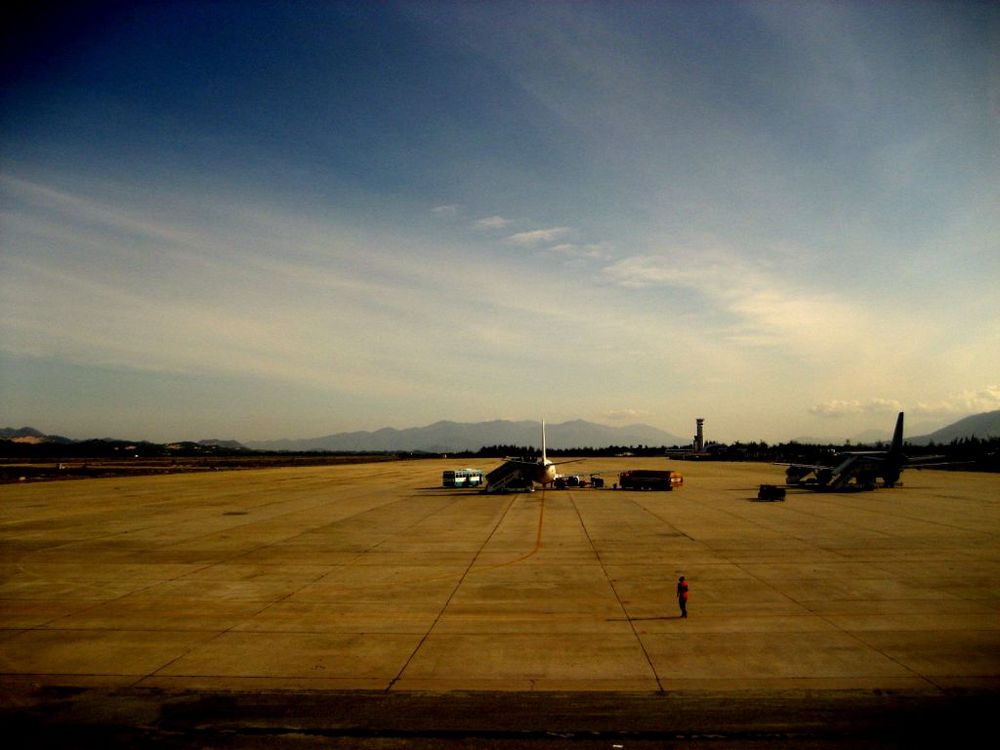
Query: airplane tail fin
544, 458
897, 437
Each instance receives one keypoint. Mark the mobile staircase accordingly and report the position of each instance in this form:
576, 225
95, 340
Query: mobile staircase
508, 477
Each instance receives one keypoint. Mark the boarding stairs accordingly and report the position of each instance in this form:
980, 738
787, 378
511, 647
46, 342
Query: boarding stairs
507, 477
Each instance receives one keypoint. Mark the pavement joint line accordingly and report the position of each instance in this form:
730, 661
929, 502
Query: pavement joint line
742, 566
825, 618
454, 591
218, 634
614, 591
359, 555
662, 520
860, 505
538, 541
104, 602
215, 635
173, 523
311, 530
445, 576
267, 605
823, 517
893, 577
452, 501
856, 635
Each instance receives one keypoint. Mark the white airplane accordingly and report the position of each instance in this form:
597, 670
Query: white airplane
523, 473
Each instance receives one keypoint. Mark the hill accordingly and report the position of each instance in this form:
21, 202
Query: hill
983, 425
30, 435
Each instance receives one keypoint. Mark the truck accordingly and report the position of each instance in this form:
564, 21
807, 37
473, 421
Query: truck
650, 479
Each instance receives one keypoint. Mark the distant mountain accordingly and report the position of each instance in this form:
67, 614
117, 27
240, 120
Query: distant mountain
30, 435
868, 437
217, 443
447, 437
983, 425
450, 437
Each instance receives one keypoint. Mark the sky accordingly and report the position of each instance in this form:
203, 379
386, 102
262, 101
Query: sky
262, 220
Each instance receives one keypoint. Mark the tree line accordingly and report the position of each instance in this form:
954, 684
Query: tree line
971, 453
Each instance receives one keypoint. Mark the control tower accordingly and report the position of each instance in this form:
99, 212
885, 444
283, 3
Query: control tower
699, 437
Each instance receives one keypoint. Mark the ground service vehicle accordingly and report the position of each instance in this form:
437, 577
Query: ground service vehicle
649, 479
462, 478
771, 493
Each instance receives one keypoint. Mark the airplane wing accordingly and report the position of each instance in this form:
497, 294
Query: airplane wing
524, 462
922, 463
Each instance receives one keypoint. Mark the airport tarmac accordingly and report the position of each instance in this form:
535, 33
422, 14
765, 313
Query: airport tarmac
373, 583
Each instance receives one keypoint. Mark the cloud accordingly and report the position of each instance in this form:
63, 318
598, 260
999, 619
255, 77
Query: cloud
592, 251
538, 236
644, 271
844, 408
87, 213
964, 402
449, 210
493, 222
762, 307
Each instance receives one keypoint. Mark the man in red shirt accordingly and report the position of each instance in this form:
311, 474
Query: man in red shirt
682, 596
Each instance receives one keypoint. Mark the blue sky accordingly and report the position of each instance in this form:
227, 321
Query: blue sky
258, 220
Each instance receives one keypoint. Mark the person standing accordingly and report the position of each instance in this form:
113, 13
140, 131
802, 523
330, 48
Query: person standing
682, 596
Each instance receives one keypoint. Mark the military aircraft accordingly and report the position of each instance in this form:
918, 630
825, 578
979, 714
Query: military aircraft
521, 474
858, 470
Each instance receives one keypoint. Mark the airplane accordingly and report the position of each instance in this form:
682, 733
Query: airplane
858, 470
521, 474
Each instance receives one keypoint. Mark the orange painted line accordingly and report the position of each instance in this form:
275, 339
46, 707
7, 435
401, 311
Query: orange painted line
397, 582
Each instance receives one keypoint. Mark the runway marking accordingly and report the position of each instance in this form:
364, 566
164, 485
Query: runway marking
451, 596
621, 604
539, 544
538, 539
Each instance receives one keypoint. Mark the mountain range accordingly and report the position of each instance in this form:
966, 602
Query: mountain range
30, 435
983, 425
450, 437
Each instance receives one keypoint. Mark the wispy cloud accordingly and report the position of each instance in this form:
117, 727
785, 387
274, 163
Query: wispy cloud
493, 222
964, 402
765, 308
90, 212
446, 210
538, 236
283, 296
838, 408
594, 251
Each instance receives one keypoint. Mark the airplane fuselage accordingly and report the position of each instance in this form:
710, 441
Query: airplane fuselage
521, 472
854, 469
545, 473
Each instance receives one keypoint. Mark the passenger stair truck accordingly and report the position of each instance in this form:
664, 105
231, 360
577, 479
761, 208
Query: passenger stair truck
508, 477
